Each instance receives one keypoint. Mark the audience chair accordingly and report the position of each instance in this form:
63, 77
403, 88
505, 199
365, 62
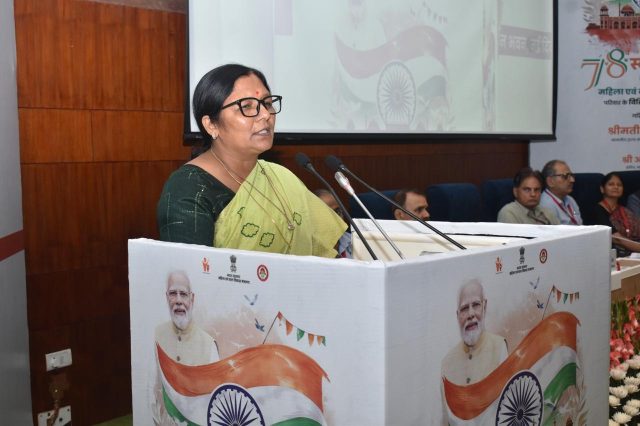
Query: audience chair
454, 202
378, 207
495, 194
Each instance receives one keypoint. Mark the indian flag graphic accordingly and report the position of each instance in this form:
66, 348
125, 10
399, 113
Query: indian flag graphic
527, 386
262, 385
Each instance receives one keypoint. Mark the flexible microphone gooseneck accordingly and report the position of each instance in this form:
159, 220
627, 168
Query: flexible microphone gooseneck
304, 161
344, 183
335, 164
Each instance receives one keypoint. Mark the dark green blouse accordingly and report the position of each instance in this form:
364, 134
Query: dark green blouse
189, 206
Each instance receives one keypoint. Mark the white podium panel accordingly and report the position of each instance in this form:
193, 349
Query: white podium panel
304, 340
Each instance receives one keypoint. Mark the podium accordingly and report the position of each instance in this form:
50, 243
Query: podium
305, 340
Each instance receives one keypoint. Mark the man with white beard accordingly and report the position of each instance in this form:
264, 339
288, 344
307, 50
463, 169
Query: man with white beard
479, 352
180, 338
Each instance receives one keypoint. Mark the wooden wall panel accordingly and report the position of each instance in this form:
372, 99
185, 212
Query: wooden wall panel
90, 293
391, 166
54, 52
104, 349
64, 217
133, 192
173, 93
136, 60
81, 215
54, 135
137, 136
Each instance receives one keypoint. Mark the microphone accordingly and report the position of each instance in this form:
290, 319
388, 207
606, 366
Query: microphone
304, 161
335, 164
344, 183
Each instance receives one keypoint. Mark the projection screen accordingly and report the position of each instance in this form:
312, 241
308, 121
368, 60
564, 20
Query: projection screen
379, 67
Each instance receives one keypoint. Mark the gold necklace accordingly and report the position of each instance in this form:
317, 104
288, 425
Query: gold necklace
290, 224
224, 166
281, 209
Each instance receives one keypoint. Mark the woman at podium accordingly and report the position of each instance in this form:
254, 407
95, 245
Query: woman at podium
227, 196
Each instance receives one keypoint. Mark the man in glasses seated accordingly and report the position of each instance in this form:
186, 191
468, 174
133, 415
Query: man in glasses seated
559, 182
527, 189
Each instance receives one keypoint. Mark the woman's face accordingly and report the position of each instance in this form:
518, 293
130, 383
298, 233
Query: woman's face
244, 135
613, 188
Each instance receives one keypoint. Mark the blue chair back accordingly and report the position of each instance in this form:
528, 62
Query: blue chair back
454, 202
379, 208
495, 194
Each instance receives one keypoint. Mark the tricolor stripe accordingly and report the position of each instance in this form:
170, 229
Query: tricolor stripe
555, 371
565, 378
556, 331
279, 406
285, 383
264, 365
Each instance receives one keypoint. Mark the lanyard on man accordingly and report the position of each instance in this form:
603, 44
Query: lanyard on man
568, 210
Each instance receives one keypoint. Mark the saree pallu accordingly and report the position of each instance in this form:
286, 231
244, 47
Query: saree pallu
626, 223
258, 217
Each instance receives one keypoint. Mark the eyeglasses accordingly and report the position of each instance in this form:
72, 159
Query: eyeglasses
173, 294
565, 176
250, 107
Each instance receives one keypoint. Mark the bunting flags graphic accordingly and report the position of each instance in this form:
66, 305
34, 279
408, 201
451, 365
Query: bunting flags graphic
547, 353
561, 295
281, 384
300, 333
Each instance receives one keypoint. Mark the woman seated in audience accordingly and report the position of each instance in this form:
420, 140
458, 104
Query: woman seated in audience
227, 197
625, 225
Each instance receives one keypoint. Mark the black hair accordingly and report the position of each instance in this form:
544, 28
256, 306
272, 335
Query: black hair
606, 178
216, 86
401, 196
549, 169
524, 173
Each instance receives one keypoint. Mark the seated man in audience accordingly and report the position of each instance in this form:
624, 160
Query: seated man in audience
344, 243
559, 183
413, 200
527, 187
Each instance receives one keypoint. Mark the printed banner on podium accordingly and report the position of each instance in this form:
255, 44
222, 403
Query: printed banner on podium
483, 336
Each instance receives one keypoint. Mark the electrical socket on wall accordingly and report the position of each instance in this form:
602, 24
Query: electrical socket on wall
64, 417
58, 359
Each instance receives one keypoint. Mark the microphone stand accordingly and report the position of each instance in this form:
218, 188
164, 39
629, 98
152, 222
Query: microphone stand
344, 183
304, 161
335, 164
